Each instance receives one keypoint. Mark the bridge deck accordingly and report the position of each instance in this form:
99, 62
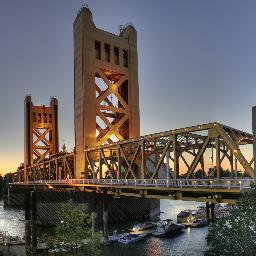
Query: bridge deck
211, 190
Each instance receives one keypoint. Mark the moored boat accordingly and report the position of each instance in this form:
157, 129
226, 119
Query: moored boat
168, 228
186, 215
131, 238
199, 223
144, 228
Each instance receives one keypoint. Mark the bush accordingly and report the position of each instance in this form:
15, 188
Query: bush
236, 233
73, 234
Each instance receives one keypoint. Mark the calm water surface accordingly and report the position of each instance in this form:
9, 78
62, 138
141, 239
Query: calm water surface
191, 242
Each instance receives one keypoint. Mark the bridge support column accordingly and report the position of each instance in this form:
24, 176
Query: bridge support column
207, 211
212, 211
27, 218
94, 214
34, 218
105, 217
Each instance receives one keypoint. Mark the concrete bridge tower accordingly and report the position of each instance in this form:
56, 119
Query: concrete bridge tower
41, 133
106, 92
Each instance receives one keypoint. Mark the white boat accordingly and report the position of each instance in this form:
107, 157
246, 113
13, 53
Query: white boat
199, 223
144, 226
168, 228
131, 238
185, 215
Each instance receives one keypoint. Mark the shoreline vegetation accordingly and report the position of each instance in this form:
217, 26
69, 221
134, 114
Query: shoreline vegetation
235, 234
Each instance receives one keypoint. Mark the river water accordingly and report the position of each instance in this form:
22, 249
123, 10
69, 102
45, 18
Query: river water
191, 242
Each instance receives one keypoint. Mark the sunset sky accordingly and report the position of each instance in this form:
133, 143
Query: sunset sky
197, 62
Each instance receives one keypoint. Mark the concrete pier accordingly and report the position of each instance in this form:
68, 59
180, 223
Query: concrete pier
207, 211
27, 217
34, 218
212, 211
105, 217
94, 213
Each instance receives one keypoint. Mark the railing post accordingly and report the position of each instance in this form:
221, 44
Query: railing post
228, 184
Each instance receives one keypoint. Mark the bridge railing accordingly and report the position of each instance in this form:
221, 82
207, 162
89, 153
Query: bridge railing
241, 184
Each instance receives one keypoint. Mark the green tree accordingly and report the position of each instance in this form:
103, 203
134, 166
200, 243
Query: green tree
235, 234
199, 174
223, 173
73, 234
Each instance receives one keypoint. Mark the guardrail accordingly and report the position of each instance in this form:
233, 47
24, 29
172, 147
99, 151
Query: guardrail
245, 183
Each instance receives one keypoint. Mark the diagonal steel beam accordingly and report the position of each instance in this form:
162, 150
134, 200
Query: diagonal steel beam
198, 157
161, 158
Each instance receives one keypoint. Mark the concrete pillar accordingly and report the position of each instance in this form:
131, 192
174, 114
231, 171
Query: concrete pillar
207, 211
94, 213
94, 218
27, 217
212, 211
254, 135
105, 217
34, 218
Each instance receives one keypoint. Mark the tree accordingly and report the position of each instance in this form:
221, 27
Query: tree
236, 233
223, 173
199, 174
73, 234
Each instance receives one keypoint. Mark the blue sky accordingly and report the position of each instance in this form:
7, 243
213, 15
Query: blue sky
197, 62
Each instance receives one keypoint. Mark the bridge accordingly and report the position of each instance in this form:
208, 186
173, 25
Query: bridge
111, 162
109, 152
140, 167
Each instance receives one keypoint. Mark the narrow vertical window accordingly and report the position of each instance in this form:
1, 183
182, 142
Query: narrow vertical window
97, 50
107, 52
116, 55
125, 58
39, 118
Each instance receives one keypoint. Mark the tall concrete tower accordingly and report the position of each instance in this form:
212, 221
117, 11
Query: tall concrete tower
106, 86
41, 133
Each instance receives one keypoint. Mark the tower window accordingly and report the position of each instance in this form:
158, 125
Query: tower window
97, 50
107, 52
125, 58
39, 117
116, 55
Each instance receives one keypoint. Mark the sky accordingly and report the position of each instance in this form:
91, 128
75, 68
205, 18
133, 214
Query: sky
197, 61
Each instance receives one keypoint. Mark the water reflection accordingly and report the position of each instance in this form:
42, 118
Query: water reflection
190, 243
12, 220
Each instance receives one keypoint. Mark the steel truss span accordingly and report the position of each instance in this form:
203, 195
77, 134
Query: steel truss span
154, 156
150, 156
